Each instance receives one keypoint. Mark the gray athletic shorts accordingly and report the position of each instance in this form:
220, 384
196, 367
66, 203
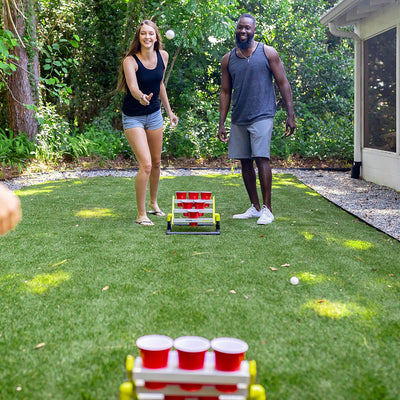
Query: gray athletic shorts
249, 141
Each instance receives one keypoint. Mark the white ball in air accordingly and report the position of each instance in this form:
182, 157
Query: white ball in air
170, 34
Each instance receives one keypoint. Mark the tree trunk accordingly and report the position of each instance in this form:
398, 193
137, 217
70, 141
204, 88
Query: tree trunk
23, 85
172, 64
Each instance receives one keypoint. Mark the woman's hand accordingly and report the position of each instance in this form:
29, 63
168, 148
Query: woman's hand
173, 119
10, 210
145, 99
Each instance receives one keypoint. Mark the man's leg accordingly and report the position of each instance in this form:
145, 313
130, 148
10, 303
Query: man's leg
265, 176
240, 149
250, 182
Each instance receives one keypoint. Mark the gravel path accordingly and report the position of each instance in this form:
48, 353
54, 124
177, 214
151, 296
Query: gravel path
377, 205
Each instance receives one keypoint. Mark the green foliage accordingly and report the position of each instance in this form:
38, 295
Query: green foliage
15, 151
105, 141
317, 136
51, 141
58, 45
56, 68
194, 21
57, 140
7, 66
81, 44
195, 135
7, 60
101, 26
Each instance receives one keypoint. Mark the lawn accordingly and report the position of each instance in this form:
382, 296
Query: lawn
80, 282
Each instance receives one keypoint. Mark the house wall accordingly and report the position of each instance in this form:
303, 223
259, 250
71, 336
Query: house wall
378, 166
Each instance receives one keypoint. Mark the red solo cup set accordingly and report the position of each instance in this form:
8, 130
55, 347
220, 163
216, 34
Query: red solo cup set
193, 208
191, 367
191, 203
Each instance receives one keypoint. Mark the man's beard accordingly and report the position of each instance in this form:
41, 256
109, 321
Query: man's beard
244, 45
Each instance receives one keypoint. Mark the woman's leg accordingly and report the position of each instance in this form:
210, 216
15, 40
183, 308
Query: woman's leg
137, 139
154, 140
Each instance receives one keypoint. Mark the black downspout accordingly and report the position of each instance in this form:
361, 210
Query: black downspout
355, 171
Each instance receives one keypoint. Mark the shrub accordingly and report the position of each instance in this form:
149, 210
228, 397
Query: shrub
315, 136
15, 151
52, 140
195, 136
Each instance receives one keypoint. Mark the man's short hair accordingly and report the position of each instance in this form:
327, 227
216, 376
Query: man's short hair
247, 15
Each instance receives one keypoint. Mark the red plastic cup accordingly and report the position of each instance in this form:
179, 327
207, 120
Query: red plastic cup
229, 353
173, 397
193, 195
205, 195
156, 385
191, 354
187, 204
199, 205
226, 388
181, 195
194, 215
154, 350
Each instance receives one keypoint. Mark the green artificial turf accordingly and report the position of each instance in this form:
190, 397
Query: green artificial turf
80, 282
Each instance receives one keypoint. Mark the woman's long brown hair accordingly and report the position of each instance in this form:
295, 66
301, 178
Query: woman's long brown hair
135, 48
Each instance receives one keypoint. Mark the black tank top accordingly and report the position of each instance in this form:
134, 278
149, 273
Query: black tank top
149, 81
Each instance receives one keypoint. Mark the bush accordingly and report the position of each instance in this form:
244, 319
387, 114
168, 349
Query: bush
196, 135
15, 151
315, 136
105, 141
52, 140
57, 140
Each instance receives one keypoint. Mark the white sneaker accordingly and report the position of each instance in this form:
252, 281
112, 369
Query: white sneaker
266, 216
250, 213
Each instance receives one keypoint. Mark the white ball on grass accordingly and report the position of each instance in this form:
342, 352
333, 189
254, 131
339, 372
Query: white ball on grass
294, 280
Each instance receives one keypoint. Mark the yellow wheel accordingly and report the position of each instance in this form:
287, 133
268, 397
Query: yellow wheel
257, 392
126, 391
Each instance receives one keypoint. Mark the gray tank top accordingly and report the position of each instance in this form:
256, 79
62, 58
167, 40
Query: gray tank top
253, 96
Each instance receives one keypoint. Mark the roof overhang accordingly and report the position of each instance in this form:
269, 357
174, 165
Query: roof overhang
351, 12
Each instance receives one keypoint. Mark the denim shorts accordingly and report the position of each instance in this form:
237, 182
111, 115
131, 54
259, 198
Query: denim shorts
249, 141
151, 121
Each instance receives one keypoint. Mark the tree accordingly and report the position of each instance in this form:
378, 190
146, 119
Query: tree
81, 44
23, 83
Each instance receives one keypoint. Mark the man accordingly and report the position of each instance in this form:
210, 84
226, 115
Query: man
247, 73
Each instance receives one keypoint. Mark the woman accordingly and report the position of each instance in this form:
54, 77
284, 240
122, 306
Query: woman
142, 78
